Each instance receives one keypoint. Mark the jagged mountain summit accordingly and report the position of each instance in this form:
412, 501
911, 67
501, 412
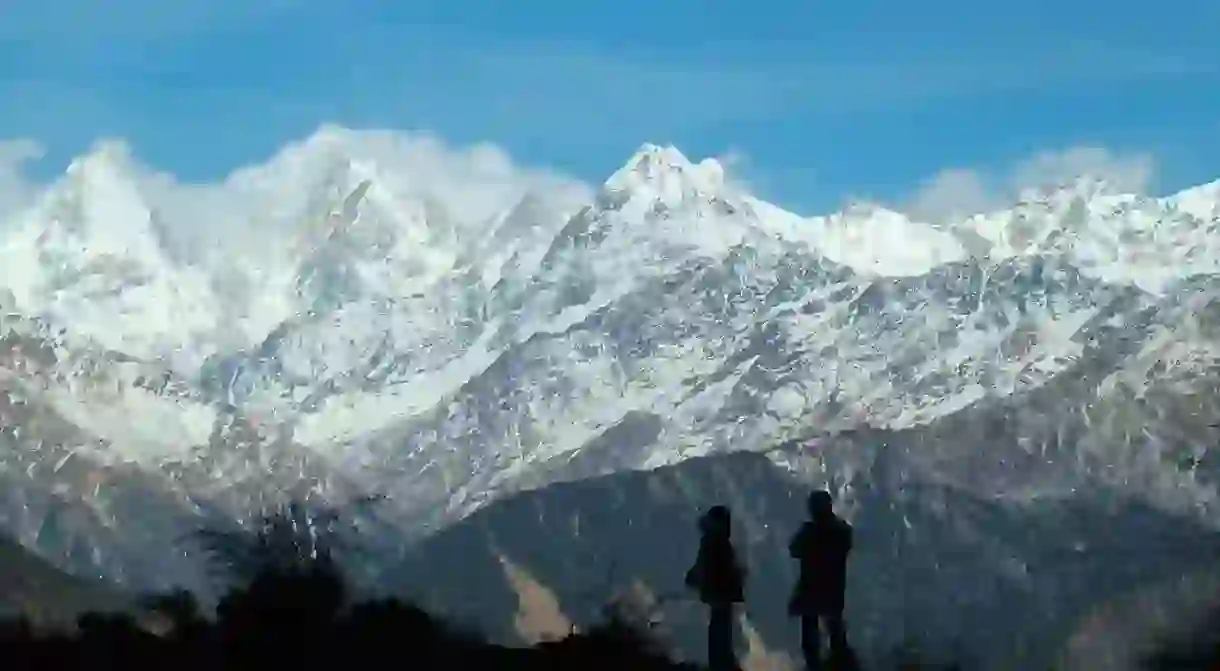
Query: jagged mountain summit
349, 323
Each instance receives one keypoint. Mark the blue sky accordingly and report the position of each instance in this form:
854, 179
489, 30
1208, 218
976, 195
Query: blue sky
823, 99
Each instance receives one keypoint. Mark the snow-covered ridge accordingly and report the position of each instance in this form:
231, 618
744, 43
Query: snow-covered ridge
372, 313
263, 220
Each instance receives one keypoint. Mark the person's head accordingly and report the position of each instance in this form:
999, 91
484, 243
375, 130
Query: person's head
717, 520
820, 504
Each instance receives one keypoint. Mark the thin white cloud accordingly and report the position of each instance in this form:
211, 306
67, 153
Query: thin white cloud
1126, 172
955, 192
260, 204
952, 192
16, 188
475, 182
738, 170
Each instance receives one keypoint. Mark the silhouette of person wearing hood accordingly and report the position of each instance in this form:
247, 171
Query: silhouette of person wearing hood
822, 546
719, 579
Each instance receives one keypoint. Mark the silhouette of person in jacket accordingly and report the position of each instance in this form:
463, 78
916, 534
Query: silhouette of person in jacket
822, 546
719, 579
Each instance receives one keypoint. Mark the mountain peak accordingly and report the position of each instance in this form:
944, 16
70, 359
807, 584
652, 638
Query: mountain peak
654, 155
104, 197
664, 168
1202, 201
106, 160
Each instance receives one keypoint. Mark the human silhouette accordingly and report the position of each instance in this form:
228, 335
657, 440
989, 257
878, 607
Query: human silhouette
719, 579
822, 546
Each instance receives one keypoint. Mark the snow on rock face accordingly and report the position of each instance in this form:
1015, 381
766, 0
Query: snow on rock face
371, 314
1120, 238
662, 203
86, 254
881, 242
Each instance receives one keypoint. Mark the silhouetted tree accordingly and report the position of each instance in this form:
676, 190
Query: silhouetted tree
290, 590
288, 540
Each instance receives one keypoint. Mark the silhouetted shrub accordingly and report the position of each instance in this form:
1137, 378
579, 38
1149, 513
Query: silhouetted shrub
615, 643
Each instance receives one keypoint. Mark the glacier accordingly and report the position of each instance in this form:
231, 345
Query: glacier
351, 325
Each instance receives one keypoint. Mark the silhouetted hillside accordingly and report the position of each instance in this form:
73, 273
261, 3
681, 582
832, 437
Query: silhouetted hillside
934, 567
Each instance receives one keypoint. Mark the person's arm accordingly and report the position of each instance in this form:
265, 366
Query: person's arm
694, 577
695, 574
796, 547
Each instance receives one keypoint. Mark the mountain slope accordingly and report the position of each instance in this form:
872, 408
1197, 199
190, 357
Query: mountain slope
49, 597
343, 324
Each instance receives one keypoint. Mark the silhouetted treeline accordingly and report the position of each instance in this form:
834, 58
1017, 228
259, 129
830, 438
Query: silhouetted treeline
291, 608
298, 620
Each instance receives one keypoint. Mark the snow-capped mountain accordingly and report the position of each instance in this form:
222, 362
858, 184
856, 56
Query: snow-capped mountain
343, 323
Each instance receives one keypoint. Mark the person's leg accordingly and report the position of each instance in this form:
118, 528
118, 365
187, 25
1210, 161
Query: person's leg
836, 630
720, 639
811, 642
